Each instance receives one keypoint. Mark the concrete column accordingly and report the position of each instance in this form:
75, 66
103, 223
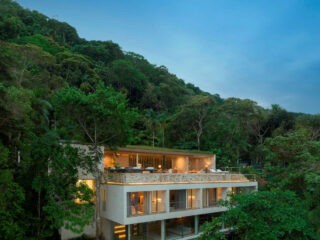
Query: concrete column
129, 232
163, 229
200, 198
167, 199
196, 224
226, 192
187, 164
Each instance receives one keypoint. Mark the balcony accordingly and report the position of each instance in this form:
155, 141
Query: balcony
171, 178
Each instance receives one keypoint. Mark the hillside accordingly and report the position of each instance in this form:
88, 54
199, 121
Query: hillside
55, 85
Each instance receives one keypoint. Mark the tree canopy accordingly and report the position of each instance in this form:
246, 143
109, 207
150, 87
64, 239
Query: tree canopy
57, 87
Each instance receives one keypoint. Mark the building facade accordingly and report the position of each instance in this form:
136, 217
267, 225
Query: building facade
162, 194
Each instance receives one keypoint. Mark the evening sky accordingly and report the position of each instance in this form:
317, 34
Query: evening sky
267, 51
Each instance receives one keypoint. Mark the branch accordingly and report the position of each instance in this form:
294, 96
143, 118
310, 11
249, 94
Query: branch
85, 130
107, 139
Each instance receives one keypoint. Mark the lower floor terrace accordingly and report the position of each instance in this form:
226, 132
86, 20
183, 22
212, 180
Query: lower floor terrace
170, 229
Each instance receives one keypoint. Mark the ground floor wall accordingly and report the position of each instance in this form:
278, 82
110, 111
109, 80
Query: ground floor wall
89, 231
178, 228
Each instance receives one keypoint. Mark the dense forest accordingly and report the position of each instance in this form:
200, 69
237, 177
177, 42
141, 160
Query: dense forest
58, 87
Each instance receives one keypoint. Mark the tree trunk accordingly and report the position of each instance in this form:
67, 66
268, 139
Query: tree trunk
97, 207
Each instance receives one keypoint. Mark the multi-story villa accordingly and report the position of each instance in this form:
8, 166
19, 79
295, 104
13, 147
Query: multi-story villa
158, 194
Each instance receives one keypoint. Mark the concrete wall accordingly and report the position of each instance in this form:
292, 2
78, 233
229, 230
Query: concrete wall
107, 229
116, 203
89, 230
85, 150
116, 209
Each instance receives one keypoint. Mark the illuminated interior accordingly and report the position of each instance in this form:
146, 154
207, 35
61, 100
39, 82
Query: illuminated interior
90, 184
172, 163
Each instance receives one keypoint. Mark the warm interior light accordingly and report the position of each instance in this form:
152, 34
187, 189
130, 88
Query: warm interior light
119, 226
159, 166
159, 199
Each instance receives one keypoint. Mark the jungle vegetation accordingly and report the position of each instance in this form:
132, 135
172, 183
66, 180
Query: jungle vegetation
58, 87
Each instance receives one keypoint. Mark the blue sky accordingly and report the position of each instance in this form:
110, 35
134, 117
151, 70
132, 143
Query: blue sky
267, 51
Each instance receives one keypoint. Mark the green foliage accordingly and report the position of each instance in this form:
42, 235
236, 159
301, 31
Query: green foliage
17, 22
28, 66
11, 27
53, 172
50, 89
63, 189
77, 70
310, 122
193, 115
211, 230
100, 51
289, 158
92, 112
129, 80
11, 200
11, 210
15, 109
265, 215
293, 162
41, 41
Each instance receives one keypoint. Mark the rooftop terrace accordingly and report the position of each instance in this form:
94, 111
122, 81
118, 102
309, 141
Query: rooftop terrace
167, 178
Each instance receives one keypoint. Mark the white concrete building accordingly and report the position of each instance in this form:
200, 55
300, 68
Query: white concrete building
162, 194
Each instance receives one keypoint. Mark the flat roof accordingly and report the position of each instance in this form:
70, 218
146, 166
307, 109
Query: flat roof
158, 150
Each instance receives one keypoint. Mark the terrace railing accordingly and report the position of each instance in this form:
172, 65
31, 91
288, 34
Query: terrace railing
136, 178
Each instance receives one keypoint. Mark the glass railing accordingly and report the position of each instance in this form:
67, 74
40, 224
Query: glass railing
177, 205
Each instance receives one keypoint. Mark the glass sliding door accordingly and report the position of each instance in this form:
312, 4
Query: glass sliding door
158, 201
211, 196
138, 203
193, 198
177, 200
179, 227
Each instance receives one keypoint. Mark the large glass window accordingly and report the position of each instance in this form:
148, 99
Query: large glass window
236, 190
211, 196
179, 227
138, 203
177, 200
193, 198
158, 201
151, 160
150, 230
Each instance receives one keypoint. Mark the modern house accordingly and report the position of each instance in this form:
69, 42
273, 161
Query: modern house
161, 194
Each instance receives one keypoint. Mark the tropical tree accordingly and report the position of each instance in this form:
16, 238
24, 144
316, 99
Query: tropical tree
99, 118
52, 170
189, 121
265, 215
293, 162
12, 198
288, 159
